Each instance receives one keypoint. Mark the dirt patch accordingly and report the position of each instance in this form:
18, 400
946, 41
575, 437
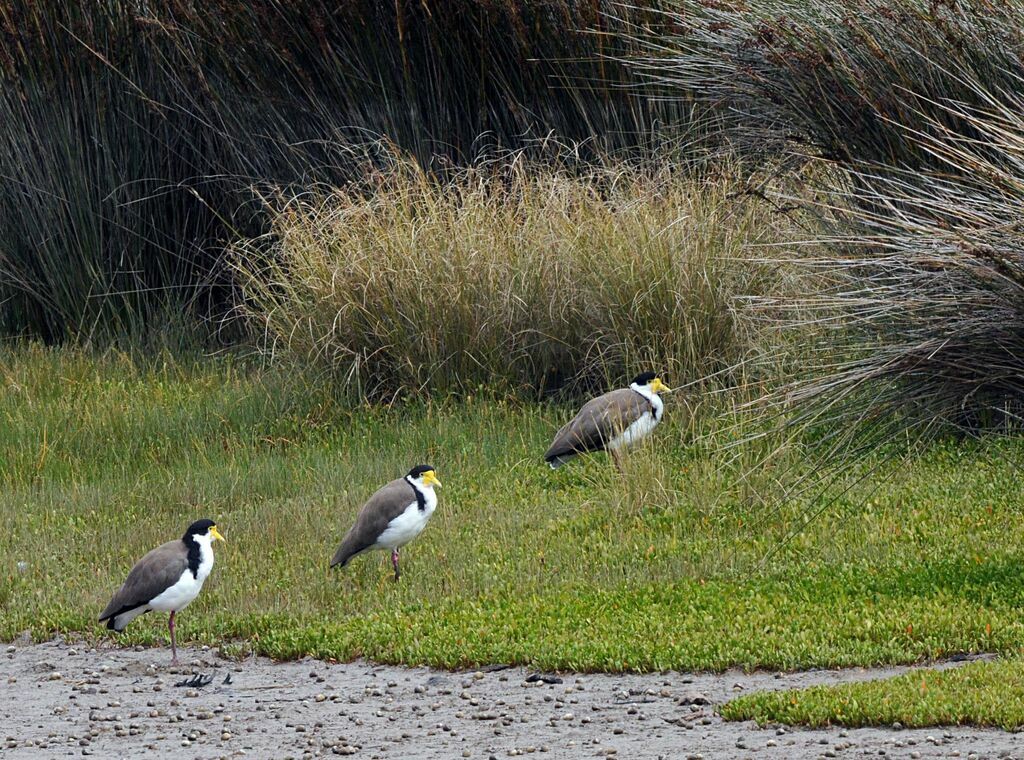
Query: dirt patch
64, 699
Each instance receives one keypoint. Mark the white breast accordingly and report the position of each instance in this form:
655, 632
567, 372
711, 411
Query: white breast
187, 588
409, 524
631, 435
641, 427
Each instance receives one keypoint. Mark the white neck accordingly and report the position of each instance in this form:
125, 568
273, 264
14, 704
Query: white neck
429, 497
651, 396
645, 391
205, 555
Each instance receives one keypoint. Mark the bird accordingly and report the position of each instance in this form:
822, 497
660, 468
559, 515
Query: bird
392, 517
611, 422
167, 579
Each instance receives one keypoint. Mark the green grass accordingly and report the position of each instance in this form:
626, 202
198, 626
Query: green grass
981, 694
678, 564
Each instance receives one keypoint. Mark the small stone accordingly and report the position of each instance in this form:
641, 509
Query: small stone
694, 699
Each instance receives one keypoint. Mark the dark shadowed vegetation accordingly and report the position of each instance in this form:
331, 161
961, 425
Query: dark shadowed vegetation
906, 122
134, 132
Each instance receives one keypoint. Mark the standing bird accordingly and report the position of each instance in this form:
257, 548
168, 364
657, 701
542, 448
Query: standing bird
166, 579
393, 516
611, 422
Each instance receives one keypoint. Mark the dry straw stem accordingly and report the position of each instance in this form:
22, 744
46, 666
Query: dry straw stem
518, 278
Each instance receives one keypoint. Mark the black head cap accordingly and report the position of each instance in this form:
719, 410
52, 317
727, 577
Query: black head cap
198, 528
418, 470
644, 377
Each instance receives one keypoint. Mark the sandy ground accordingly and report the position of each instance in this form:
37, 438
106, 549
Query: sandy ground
59, 699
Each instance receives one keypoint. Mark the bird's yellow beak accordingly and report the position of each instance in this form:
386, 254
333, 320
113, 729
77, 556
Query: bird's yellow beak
430, 479
216, 535
657, 386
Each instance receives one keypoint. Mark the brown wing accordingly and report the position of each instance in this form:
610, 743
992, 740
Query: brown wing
152, 575
383, 507
600, 420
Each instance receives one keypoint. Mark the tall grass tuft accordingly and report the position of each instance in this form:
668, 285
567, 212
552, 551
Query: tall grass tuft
518, 278
133, 132
927, 296
911, 115
847, 81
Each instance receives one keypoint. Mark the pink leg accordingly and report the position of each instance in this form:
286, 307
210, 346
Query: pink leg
394, 562
174, 643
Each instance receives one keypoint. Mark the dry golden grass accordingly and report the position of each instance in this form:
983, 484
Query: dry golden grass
523, 279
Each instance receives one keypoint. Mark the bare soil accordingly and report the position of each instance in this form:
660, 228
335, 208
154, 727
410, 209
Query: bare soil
59, 699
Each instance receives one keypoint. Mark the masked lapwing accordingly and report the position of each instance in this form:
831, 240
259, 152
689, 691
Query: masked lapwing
611, 422
393, 516
167, 579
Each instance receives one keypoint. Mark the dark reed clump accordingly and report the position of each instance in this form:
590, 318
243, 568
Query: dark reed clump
911, 118
844, 81
134, 132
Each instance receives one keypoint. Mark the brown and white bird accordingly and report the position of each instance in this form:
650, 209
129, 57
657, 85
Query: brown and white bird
611, 422
392, 517
167, 579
